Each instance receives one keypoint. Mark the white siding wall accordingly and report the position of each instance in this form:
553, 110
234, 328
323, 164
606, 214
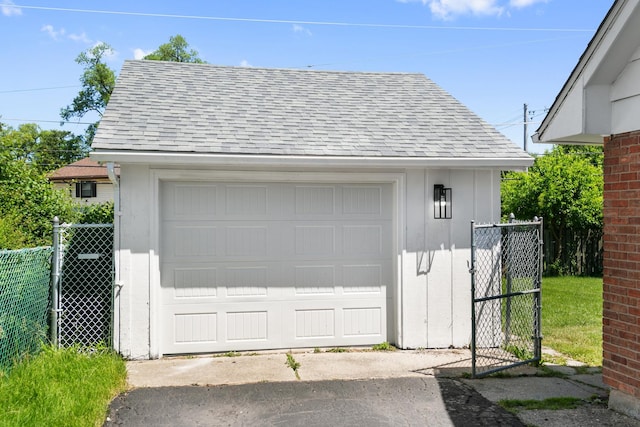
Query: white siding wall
625, 98
434, 289
436, 280
104, 192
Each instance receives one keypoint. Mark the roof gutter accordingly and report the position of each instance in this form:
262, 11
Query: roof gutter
111, 173
234, 160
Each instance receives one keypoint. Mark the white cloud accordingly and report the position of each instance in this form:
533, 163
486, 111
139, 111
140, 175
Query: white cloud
140, 53
301, 30
525, 3
447, 9
8, 9
82, 37
245, 63
52, 32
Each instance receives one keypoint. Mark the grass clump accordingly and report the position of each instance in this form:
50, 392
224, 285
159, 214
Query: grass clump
553, 403
572, 317
61, 387
383, 346
337, 350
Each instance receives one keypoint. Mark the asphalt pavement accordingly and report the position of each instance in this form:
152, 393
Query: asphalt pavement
421, 388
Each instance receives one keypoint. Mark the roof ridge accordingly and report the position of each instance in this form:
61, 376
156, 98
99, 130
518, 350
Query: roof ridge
240, 67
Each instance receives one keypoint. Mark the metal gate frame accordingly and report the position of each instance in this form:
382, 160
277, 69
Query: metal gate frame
506, 280
82, 285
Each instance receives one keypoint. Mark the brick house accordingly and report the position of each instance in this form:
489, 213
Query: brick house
600, 104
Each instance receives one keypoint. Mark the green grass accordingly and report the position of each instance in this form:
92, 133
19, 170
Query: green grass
572, 317
383, 346
553, 403
61, 388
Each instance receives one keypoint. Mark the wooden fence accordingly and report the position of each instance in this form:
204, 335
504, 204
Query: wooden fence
581, 256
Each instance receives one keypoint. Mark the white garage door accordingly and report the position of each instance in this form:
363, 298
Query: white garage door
274, 265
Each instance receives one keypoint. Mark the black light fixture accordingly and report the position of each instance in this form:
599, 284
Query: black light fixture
441, 202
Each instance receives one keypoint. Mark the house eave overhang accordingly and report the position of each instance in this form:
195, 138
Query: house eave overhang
581, 112
578, 139
319, 162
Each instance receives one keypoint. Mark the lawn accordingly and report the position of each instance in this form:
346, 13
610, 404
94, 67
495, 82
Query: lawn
61, 388
572, 317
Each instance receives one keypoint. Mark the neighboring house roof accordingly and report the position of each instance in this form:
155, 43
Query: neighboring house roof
83, 169
174, 107
582, 111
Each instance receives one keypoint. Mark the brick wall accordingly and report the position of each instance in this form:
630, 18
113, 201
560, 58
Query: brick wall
621, 315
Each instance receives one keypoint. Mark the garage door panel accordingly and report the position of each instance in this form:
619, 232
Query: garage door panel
345, 322
246, 200
189, 200
274, 265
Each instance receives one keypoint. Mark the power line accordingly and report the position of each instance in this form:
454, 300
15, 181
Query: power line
442, 52
44, 121
303, 22
37, 89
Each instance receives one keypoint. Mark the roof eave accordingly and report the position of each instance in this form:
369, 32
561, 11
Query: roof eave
235, 160
578, 139
573, 79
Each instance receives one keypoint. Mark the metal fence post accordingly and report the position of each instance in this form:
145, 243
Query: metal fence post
472, 270
507, 322
55, 281
538, 295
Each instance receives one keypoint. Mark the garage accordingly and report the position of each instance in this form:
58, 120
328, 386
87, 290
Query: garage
252, 266
262, 208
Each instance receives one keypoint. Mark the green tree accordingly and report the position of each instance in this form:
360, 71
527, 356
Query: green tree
98, 81
28, 203
19, 144
57, 148
565, 187
46, 150
177, 50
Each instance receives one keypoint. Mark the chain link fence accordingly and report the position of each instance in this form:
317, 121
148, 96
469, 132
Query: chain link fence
506, 278
24, 298
85, 284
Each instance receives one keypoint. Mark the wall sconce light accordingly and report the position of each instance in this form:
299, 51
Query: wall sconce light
441, 202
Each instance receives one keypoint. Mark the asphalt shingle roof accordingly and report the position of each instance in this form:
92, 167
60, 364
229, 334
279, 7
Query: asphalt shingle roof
201, 108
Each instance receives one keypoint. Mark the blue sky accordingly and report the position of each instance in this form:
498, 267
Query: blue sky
492, 55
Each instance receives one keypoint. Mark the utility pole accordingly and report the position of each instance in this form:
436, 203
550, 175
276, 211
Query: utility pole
526, 111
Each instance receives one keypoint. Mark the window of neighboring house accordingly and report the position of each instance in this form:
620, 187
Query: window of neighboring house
86, 189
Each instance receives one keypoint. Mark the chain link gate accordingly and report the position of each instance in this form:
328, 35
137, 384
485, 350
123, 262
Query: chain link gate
83, 284
506, 277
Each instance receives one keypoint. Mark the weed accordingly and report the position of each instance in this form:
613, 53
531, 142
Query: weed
383, 346
337, 350
582, 369
547, 372
229, 354
553, 403
520, 352
317, 350
293, 364
554, 360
